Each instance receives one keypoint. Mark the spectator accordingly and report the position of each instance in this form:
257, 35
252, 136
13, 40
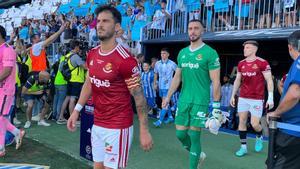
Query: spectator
289, 13
83, 29
44, 29
67, 35
24, 31
122, 38
159, 20
140, 16
266, 9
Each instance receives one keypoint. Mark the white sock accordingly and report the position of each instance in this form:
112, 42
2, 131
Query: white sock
16, 132
244, 146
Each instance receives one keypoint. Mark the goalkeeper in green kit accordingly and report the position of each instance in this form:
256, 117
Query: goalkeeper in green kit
198, 67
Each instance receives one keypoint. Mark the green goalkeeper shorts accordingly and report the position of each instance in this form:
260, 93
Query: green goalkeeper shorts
191, 115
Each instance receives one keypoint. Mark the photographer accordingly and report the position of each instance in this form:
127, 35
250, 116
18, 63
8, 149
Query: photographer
76, 66
36, 89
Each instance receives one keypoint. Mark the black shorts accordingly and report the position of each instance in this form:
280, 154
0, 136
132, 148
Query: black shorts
287, 151
74, 89
266, 7
288, 10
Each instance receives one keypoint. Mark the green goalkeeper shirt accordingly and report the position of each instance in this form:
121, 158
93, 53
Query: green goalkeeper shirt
195, 65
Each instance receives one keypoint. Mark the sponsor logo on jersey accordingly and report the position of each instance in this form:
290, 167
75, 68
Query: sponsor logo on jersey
190, 65
183, 56
99, 61
254, 66
201, 114
199, 57
91, 63
107, 68
249, 74
98, 82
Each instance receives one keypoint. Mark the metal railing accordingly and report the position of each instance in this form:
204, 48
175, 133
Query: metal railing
223, 15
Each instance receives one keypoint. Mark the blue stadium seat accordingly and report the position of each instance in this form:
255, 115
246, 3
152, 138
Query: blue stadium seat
81, 11
93, 9
100, 2
130, 2
136, 29
74, 3
63, 9
126, 21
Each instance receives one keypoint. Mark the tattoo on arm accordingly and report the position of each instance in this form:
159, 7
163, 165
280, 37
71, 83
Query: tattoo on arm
141, 105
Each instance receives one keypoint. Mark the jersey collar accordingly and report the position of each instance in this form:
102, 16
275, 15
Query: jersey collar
193, 50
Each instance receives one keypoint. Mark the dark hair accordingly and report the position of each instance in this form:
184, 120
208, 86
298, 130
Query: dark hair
228, 76
33, 36
2, 32
165, 50
294, 40
108, 8
147, 63
196, 20
74, 44
140, 55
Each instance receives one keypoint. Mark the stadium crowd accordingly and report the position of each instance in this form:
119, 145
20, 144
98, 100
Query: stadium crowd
43, 85
48, 88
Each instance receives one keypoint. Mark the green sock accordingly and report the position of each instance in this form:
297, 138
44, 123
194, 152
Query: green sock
183, 136
195, 148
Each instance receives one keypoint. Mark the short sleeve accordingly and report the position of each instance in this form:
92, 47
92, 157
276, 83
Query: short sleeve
295, 75
88, 60
9, 58
76, 61
239, 67
30, 82
174, 66
213, 61
37, 48
130, 72
179, 59
156, 67
264, 66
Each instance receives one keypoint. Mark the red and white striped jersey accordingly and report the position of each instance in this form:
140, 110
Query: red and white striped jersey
112, 75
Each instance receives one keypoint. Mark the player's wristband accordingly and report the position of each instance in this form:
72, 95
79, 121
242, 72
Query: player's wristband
78, 107
270, 97
216, 105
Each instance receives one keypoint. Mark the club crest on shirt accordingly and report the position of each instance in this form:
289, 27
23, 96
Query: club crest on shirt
254, 66
107, 68
199, 57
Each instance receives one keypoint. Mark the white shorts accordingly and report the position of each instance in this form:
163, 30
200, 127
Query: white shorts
111, 146
255, 107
